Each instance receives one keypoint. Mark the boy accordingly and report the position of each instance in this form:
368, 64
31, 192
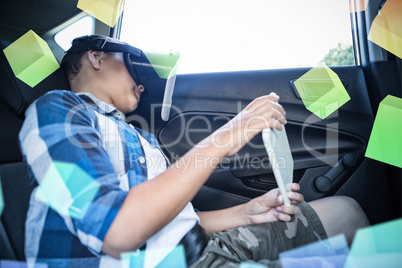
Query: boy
139, 208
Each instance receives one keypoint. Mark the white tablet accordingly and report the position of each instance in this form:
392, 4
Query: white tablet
278, 150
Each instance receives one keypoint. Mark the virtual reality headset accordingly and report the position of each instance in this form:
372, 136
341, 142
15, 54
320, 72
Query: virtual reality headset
141, 66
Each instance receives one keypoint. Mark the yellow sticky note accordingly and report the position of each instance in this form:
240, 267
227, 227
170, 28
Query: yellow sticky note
322, 91
386, 29
107, 11
31, 59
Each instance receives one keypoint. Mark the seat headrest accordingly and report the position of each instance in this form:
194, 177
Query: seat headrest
16, 94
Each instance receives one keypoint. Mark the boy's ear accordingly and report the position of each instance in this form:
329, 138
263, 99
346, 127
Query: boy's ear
95, 58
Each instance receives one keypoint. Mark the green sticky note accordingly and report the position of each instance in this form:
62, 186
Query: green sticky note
1, 199
385, 143
31, 59
165, 64
107, 11
377, 246
158, 258
68, 189
322, 91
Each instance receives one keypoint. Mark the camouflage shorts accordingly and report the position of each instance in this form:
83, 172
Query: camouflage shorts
262, 243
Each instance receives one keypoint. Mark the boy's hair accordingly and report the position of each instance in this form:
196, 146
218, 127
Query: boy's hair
71, 62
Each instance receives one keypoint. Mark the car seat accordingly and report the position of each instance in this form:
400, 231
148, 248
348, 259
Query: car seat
15, 97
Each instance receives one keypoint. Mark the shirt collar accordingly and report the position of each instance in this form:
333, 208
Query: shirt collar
103, 107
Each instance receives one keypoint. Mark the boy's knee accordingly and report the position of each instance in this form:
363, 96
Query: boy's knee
356, 215
347, 203
340, 214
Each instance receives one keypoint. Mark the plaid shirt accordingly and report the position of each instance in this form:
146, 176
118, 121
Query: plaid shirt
81, 130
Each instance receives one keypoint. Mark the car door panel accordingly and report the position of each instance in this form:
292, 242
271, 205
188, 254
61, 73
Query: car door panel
204, 102
251, 164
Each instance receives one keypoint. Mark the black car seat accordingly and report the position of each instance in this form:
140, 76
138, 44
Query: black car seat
15, 97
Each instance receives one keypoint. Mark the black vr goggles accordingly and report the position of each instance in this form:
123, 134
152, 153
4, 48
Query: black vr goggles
140, 65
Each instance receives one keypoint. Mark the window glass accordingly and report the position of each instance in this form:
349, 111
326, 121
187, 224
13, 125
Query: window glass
83, 26
231, 35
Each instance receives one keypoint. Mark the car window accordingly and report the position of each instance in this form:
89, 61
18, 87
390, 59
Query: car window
231, 35
83, 26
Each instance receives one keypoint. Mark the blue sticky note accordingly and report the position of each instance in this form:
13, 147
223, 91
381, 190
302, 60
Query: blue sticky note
1, 199
251, 265
377, 246
20, 264
171, 257
331, 252
68, 189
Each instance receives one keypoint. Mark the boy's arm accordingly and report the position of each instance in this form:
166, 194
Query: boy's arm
266, 208
151, 205
59, 140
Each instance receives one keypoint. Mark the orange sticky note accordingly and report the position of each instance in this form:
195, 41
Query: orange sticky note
386, 29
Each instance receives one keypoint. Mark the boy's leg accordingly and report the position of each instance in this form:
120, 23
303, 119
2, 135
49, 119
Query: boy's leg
340, 214
332, 215
262, 241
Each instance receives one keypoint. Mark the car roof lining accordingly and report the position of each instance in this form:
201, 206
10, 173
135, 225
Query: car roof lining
33, 12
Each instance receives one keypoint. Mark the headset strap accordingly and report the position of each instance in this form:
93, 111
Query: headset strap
107, 46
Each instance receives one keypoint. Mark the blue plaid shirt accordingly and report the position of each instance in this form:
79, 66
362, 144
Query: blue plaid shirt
78, 129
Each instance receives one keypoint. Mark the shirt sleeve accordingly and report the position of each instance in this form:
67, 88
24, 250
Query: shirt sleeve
61, 133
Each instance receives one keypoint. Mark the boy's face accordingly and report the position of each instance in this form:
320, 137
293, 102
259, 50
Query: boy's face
118, 84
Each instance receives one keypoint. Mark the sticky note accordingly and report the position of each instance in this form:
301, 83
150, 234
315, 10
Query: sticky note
107, 11
386, 29
68, 189
1, 199
377, 246
164, 64
251, 265
385, 143
331, 252
322, 91
175, 257
20, 264
31, 59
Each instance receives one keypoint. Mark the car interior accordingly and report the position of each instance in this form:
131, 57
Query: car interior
329, 154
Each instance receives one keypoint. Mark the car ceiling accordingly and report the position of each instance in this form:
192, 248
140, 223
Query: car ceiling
22, 15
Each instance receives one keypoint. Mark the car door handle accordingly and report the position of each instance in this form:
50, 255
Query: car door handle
324, 182
240, 170
247, 167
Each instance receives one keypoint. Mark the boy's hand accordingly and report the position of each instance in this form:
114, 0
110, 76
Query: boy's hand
269, 207
263, 112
